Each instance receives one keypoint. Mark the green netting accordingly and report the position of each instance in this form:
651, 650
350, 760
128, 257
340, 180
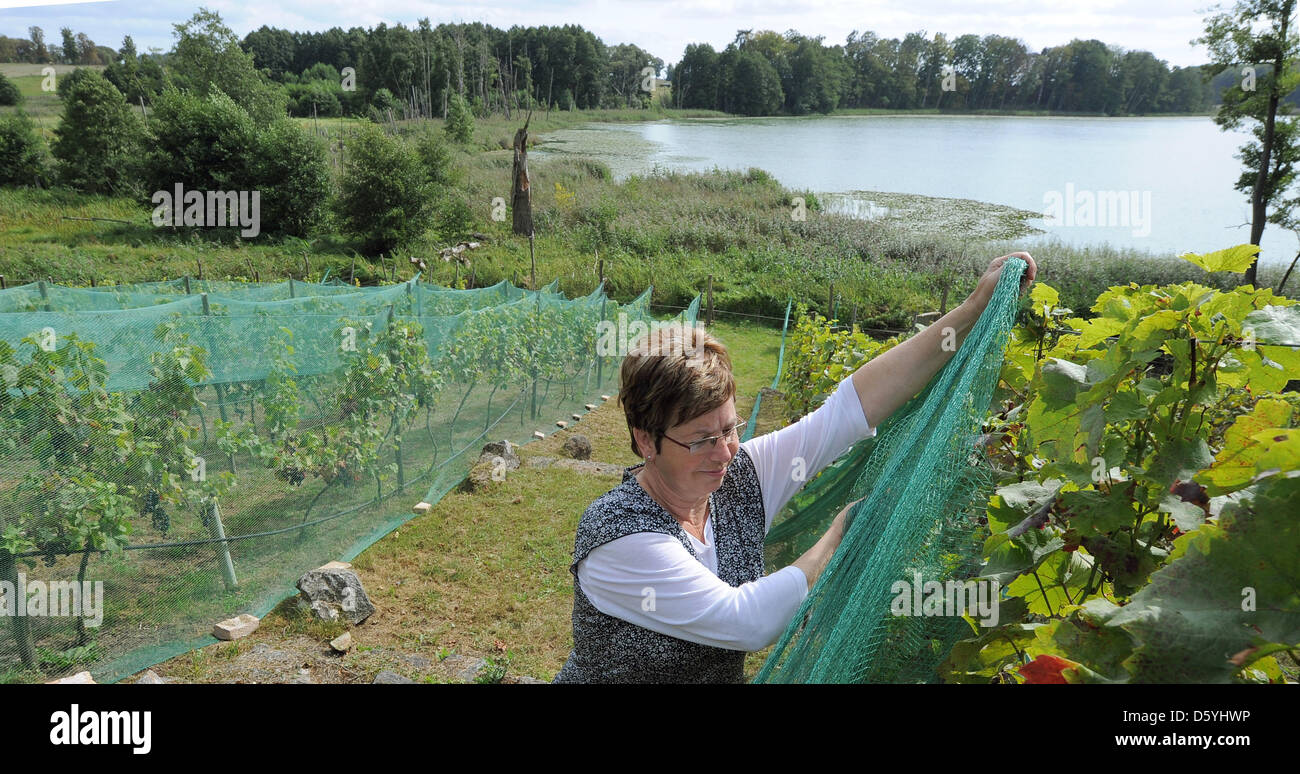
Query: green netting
922, 484
424, 375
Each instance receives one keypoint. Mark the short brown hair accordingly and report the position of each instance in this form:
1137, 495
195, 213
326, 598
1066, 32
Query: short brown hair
673, 374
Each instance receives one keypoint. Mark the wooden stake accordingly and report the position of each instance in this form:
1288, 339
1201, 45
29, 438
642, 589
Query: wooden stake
709, 317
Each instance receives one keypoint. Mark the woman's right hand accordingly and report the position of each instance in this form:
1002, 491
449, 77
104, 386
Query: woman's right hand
842, 521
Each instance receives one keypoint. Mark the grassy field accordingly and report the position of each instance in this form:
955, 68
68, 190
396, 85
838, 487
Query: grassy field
41, 105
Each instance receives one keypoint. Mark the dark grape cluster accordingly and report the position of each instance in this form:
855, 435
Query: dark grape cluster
293, 475
153, 509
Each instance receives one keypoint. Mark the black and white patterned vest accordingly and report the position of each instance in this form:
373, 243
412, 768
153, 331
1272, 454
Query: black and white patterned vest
607, 649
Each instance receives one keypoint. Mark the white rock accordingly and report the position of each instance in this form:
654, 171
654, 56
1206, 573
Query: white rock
235, 628
80, 678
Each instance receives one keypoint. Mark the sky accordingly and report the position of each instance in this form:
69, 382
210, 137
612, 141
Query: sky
662, 27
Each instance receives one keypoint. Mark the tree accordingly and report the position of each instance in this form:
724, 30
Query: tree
208, 58
1234, 43
70, 54
40, 54
695, 79
22, 155
460, 121
98, 137
756, 85
384, 196
139, 79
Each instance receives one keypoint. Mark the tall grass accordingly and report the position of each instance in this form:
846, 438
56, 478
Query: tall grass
666, 229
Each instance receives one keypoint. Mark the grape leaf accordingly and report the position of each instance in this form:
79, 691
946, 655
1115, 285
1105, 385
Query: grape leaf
1231, 586
1236, 259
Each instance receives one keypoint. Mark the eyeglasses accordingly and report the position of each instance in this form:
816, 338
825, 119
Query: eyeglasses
712, 441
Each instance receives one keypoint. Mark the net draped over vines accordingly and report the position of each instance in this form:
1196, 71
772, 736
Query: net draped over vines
923, 484
231, 436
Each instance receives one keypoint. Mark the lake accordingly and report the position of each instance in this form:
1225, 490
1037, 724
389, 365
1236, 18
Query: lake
1163, 185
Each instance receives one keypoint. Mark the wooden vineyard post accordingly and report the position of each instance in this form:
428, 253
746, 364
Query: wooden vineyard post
221, 388
45, 294
218, 531
709, 315
600, 358
22, 634
397, 449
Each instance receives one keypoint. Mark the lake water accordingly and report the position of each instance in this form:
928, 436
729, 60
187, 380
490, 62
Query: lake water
1163, 185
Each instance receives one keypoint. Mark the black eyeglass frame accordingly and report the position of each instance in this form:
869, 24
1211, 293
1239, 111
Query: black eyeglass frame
695, 447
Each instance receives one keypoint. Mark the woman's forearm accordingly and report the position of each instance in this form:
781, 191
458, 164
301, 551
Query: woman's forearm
895, 376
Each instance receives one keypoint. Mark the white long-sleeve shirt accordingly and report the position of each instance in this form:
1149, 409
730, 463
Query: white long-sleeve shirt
690, 601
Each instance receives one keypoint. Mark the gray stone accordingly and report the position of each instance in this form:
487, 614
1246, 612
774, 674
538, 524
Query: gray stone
529, 681
334, 593
578, 447
464, 667
419, 662
391, 678
150, 677
507, 451
590, 467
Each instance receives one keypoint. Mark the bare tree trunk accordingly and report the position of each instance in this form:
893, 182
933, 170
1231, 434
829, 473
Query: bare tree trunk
522, 196
1258, 208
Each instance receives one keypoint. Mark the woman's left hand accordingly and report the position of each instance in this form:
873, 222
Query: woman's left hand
989, 281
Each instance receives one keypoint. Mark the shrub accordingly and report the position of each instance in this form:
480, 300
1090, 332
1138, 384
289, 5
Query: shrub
435, 158
460, 121
9, 94
204, 143
384, 198
22, 154
98, 138
292, 173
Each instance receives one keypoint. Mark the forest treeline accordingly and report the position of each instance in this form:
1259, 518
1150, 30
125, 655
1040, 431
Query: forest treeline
758, 73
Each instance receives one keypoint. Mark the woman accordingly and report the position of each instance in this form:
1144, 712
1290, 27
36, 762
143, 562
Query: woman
669, 581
